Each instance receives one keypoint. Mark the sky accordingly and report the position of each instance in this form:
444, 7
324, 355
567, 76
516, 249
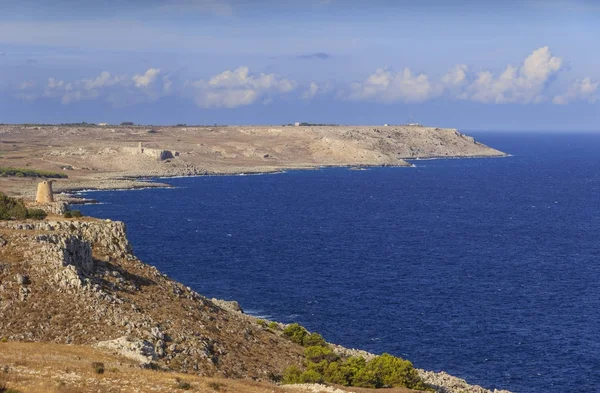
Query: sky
472, 65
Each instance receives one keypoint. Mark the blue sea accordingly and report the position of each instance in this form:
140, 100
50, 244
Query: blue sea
488, 269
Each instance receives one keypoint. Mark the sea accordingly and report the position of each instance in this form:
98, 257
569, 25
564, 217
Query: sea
486, 268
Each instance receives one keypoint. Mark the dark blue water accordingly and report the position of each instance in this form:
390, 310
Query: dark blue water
486, 268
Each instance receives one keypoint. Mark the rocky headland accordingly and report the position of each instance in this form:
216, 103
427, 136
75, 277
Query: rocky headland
118, 157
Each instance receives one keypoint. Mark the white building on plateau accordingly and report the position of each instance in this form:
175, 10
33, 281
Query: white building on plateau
103, 124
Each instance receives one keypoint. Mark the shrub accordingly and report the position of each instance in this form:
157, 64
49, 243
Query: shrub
12, 208
4, 389
295, 333
22, 172
181, 384
291, 375
98, 367
273, 325
72, 213
311, 376
36, 214
314, 339
215, 385
262, 322
388, 370
317, 354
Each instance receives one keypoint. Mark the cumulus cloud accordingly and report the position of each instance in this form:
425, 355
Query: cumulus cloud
386, 86
232, 89
103, 80
524, 84
146, 79
456, 77
312, 90
315, 89
118, 89
584, 89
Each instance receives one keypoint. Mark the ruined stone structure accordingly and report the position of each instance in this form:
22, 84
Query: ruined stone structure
157, 154
44, 192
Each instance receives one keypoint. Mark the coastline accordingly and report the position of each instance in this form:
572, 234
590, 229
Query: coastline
144, 182
443, 382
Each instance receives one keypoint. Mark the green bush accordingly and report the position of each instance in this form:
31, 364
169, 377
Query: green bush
21, 172
273, 325
322, 365
291, 375
317, 354
12, 208
36, 214
387, 370
314, 339
311, 376
262, 322
295, 333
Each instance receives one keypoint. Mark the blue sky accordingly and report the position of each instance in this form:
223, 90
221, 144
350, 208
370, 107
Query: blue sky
509, 65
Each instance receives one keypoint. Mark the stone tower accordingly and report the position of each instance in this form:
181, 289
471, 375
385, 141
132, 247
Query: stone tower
44, 192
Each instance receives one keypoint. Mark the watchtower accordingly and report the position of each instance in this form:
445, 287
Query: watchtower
44, 192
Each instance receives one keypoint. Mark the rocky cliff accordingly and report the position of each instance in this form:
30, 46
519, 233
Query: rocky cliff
78, 282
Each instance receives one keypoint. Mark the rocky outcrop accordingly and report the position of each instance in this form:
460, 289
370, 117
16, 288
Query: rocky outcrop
445, 383
107, 234
141, 351
76, 281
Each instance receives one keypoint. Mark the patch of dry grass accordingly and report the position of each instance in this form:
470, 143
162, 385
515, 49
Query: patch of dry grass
57, 368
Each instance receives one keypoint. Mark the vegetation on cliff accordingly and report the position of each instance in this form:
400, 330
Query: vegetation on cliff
22, 172
322, 364
15, 209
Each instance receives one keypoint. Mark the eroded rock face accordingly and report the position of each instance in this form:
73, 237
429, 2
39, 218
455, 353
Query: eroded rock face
84, 286
67, 258
110, 235
141, 351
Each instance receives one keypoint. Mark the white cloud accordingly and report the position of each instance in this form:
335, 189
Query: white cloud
313, 88
232, 89
118, 89
103, 80
456, 77
147, 79
584, 89
386, 86
525, 84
